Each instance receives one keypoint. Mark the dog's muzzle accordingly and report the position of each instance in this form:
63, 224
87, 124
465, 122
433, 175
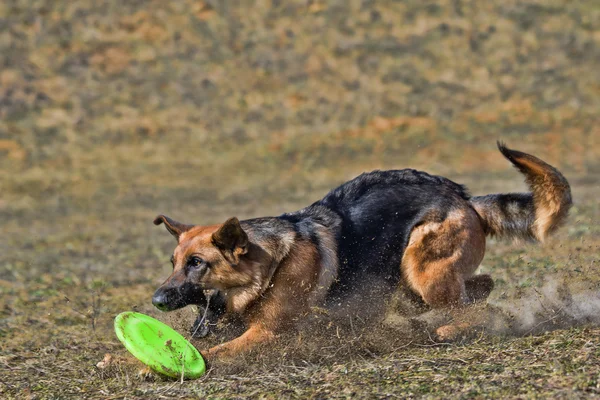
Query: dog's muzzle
160, 301
169, 298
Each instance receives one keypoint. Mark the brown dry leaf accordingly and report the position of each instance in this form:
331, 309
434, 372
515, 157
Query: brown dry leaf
313, 64
130, 22
294, 101
9, 77
106, 361
316, 7
14, 149
56, 87
203, 11
486, 117
152, 32
113, 60
54, 117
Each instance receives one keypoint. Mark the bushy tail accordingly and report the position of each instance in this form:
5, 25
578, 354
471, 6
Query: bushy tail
532, 215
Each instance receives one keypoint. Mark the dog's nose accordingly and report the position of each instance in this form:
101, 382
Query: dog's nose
160, 301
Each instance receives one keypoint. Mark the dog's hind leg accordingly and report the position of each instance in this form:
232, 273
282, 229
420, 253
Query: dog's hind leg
439, 262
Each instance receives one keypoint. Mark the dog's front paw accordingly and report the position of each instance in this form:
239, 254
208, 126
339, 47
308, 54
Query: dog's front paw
209, 357
210, 354
220, 352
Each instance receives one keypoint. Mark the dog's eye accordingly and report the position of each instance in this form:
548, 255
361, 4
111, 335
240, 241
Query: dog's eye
195, 261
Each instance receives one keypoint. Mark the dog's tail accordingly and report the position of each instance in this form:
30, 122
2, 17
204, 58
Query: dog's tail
531, 216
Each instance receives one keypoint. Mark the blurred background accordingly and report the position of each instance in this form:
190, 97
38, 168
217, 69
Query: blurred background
114, 111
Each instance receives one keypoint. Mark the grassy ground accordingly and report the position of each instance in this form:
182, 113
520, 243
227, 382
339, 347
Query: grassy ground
112, 112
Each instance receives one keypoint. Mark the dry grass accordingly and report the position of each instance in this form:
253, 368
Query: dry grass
112, 112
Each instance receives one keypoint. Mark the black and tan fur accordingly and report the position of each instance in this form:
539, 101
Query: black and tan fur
400, 227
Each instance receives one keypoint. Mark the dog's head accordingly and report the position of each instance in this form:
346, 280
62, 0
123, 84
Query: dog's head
206, 257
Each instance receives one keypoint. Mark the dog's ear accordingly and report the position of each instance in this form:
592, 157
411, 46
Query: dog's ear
231, 239
175, 228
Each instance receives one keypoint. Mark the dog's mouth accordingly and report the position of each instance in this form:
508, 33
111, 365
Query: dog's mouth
211, 303
174, 298
170, 300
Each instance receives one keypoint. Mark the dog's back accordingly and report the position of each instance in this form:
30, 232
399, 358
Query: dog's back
373, 216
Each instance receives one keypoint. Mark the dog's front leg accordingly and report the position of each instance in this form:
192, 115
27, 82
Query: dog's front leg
256, 334
209, 314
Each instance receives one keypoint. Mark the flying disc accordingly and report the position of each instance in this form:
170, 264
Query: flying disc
158, 346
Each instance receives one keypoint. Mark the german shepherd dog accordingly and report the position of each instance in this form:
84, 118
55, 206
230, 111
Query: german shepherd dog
404, 227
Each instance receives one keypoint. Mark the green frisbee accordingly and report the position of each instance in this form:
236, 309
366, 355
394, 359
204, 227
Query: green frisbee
158, 346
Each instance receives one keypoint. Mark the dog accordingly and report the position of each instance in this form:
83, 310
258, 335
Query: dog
406, 228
